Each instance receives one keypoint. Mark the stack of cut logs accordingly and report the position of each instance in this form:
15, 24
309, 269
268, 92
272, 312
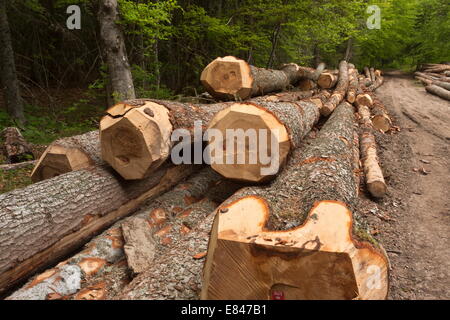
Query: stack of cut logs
436, 79
152, 229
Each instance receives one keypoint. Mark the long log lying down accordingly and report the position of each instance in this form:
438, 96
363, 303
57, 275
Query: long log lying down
135, 135
18, 165
284, 125
372, 74
380, 118
318, 259
438, 91
287, 96
47, 220
432, 77
427, 82
68, 154
16, 148
372, 171
340, 91
102, 269
230, 78
353, 84
307, 84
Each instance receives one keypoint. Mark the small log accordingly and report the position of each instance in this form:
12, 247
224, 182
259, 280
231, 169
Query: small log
16, 148
68, 154
427, 82
248, 258
364, 116
18, 165
340, 91
307, 84
47, 220
380, 118
285, 124
353, 85
372, 171
438, 91
367, 73
372, 74
327, 80
230, 78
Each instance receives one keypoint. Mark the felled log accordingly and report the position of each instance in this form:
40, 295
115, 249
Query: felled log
307, 84
438, 68
312, 255
432, 77
284, 125
135, 135
372, 74
340, 91
102, 269
367, 73
320, 99
287, 96
380, 118
230, 78
47, 220
353, 85
327, 80
372, 171
16, 148
428, 82
18, 165
364, 99
68, 154
438, 91
364, 116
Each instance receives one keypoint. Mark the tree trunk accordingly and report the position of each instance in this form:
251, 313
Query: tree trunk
372, 171
340, 91
438, 91
105, 262
116, 55
68, 154
16, 148
315, 260
428, 82
47, 220
380, 118
230, 78
288, 122
327, 80
9, 81
353, 85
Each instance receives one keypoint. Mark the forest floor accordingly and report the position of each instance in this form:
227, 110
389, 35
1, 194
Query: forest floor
413, 222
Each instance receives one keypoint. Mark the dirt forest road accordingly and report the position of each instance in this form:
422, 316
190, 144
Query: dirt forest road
413, 222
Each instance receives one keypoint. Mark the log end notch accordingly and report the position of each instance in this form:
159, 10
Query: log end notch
135, 137
318, 260
228, 78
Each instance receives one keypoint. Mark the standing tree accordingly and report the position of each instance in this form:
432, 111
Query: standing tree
8, 74
115, 52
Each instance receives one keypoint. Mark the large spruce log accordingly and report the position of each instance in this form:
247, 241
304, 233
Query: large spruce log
372, 171
47, 220
16, 148
102, 269
340, 91
230, 78
285, 124
254, 252
438, 91
68, 154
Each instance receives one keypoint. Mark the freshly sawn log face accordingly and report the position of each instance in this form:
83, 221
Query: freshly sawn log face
327, 80
44, 221
135, 135
68, 154
257, 262
230, 78
285, 124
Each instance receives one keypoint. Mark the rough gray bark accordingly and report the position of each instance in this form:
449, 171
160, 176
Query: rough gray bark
167, 219
114, 47
439, 91
9, 81
44, 221
16, 148
340, 91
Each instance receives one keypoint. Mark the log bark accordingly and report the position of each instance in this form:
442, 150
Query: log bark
428, 82
68, 154
257, 260
47, 220
340, 91
229, 78
367, 73
438, 91
287, 123
19, 165
372, 74
353, 85
16, 148
119, 70
372, 171
102, 269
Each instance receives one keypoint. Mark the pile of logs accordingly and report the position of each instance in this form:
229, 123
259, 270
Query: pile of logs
151, 228
436, 79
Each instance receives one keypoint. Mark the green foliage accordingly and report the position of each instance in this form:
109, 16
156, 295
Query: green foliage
14, 179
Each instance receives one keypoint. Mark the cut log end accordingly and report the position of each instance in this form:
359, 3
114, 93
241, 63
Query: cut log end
136, 142
238, 142
364, 100
57, 160
228, 78
327, 80
318, 260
